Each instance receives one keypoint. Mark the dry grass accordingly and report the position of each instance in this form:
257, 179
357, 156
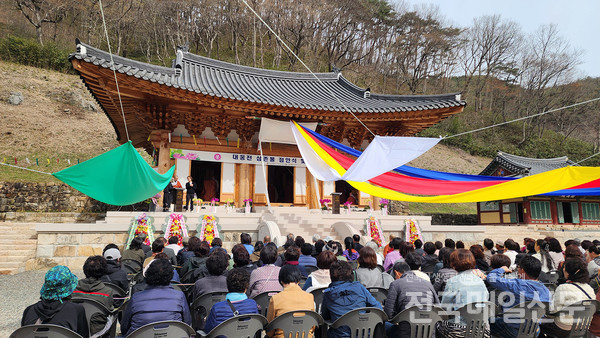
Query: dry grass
448, 159
49, 124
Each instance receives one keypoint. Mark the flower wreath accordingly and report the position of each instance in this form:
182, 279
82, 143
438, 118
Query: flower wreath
373, 228
209, 228
412, 231
141, 224
176, 227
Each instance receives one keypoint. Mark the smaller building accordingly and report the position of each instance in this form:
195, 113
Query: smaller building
568, 210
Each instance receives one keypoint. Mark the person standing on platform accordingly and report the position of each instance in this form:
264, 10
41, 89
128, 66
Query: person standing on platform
353, 197
176, 185
168, 196
190, 188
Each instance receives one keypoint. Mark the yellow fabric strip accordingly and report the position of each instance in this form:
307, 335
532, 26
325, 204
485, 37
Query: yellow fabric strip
548, 181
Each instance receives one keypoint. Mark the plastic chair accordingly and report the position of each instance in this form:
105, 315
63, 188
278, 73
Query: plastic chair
164, 329
551, 287
582, 313
552, 276
131, 266
177, 286
379, 293
296, 323
247, 325
201, 307
362, 322
310, 269
262, 300
422, 320
318, 295
44, 331
93, 307
528, 315
476, 315
116, 289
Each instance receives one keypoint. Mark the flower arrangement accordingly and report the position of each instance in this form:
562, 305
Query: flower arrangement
176, 228
248, 201
214, 201
229, 203
412, 231
209, 228
383, 203
373, 229
324, 202
347, 205
197, 201
142, 224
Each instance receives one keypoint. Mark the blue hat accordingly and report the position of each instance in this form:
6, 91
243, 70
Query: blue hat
60, 283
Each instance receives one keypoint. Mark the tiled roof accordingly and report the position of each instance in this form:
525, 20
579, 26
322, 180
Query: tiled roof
288, 89
524, 166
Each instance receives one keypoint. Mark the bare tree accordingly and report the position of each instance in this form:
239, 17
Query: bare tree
42, 12
548, 63
489, 49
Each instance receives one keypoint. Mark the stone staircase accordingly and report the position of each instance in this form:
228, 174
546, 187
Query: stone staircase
303, 222
18, 244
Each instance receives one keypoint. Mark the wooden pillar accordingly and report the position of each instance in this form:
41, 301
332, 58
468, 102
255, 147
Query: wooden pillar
553, 211
243, 179
526, 211
164, 153
580, 209
311, 191
376, 200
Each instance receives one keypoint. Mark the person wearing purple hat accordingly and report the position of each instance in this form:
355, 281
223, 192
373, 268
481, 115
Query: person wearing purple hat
54, 306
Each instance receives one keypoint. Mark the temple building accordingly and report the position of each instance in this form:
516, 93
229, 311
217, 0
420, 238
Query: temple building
568, 210
204, 116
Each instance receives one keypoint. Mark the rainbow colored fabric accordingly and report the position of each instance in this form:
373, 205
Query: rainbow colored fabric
322, 160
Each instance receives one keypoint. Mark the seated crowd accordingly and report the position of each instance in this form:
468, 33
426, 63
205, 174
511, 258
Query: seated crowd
446, 275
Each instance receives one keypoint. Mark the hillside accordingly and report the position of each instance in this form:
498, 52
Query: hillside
58, 119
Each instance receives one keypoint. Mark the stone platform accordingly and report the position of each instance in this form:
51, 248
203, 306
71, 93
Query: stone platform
27, 246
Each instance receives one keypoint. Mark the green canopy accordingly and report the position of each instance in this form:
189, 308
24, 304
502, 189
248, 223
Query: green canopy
118, 177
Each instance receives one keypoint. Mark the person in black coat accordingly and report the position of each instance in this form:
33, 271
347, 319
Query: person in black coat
190, 188
54, 306
168, 196
116, 274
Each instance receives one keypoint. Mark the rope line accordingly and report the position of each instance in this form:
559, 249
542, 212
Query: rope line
112, 66
16, 166
522, 118
307, 68
587, 158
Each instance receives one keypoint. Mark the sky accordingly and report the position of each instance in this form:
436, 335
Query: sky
578, 21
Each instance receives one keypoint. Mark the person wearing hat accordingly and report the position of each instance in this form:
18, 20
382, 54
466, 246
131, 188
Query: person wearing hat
54, 306
115, 274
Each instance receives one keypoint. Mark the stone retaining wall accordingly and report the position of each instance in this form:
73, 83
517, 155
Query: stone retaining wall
70, 244
51, 197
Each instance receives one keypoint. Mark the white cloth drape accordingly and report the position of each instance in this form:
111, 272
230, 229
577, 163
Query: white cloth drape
386, 153
317, 167
279, 131
383, 154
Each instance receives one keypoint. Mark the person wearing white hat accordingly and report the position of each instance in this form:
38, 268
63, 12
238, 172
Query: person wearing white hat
115, 274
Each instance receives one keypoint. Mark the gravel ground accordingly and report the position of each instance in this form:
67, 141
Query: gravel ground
18, 292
